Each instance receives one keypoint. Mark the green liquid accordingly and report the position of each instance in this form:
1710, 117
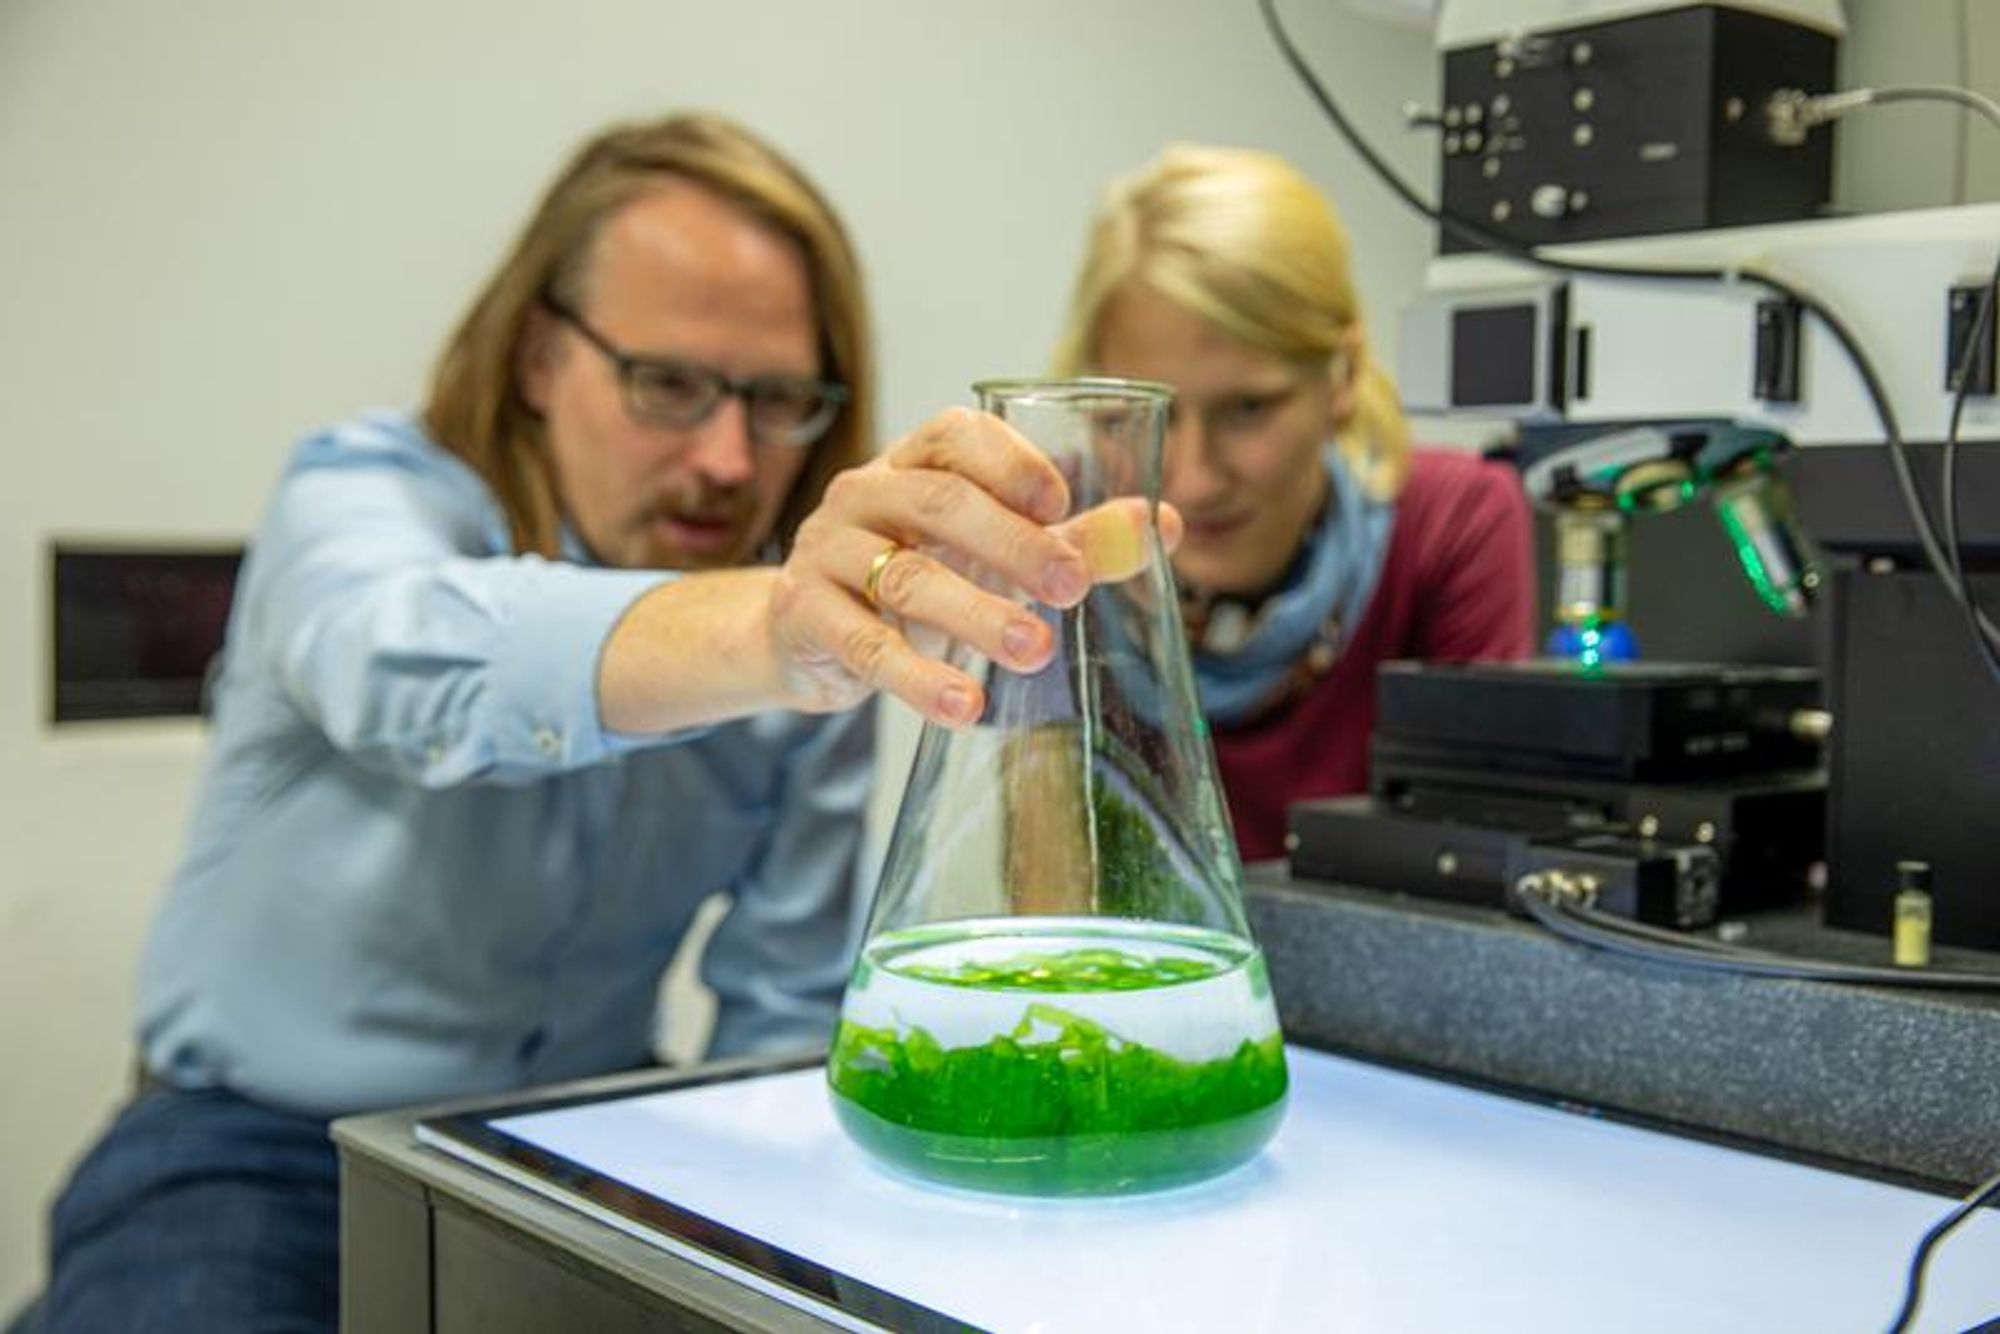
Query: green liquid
1032, 1077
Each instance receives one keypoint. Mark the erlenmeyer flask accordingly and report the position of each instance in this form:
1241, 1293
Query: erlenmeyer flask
1058, 993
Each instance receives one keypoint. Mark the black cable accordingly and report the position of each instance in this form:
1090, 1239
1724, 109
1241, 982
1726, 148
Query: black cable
1616, 935
1975, 615
1964, 98
1571, 920
1968, 100
1985, 1193
1666, 936
1465, 229
1480, 237
1986, 636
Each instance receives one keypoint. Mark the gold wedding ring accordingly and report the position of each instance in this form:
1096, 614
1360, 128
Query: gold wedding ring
871, 587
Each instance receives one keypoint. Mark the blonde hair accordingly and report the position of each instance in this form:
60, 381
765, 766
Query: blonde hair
476, 410
1243, 240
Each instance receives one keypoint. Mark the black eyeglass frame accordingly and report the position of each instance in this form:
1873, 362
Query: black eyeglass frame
750, 392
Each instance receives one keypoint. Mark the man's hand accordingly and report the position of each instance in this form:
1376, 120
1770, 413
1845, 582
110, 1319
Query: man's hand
885, 557
893, 558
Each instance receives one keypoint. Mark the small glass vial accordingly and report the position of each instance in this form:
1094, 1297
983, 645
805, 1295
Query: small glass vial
1913, 914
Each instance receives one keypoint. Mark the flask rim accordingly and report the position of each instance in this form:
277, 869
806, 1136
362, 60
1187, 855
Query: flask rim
1074, 386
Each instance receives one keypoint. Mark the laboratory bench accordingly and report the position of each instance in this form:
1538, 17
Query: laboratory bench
1488, 1125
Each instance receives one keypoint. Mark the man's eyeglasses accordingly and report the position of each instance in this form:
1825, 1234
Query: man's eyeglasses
659, 391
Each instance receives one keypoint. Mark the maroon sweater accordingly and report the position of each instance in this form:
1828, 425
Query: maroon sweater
1457, 584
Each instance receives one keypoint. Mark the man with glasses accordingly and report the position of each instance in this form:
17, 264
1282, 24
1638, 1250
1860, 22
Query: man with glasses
513, 685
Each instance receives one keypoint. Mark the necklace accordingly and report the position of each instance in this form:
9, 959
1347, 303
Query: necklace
1220, 625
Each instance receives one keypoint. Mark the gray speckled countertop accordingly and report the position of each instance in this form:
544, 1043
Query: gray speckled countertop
1907, 1081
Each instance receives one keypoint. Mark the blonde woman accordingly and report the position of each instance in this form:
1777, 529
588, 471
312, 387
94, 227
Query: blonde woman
1318, 542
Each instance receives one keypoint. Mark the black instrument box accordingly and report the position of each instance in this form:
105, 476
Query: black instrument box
1916, 755
1651, 722
1355, 840
1635, 126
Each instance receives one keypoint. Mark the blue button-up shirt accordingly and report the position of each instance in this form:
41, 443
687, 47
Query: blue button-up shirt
420, 867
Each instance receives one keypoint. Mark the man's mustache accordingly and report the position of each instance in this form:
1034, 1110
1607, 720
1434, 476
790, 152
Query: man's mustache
712, 507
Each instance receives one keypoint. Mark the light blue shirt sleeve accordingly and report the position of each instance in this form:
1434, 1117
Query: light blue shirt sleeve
419, 867
416, 653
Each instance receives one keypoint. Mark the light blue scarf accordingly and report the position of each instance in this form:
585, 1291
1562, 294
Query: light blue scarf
1335, 572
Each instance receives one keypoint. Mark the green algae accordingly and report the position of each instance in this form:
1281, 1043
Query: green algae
1095, 969
1059, 1105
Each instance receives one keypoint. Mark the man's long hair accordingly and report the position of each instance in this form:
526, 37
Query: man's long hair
476, 409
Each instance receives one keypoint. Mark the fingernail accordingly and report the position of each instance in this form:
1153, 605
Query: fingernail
1053, 501
1021, 639
1065, 581
956, 702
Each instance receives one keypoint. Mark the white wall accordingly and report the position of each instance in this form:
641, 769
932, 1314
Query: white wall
224, 221
1918, 155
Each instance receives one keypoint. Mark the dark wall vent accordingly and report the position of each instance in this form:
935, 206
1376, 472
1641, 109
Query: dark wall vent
136, 628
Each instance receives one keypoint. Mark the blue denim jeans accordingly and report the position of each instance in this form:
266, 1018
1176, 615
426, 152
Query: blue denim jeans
198, 1211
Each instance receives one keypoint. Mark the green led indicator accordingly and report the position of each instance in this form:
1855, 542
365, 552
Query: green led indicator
1591, 653
1779, 600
